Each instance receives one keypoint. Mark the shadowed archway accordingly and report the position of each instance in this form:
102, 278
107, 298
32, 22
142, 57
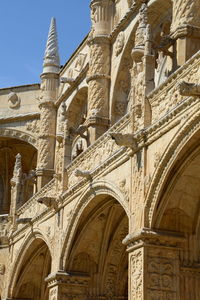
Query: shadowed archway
97, 252
35, 267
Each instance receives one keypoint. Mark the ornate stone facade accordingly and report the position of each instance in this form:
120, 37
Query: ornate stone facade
99, 182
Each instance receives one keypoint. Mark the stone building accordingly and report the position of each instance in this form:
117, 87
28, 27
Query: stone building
100, 163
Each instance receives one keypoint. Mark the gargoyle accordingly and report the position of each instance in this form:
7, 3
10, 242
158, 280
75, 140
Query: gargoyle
24, 221
84, 174
48, 201
189, 89
125, 139
67, 80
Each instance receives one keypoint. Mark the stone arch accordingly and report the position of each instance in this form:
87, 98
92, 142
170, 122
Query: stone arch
95, 189
93, 245
122, 80
75, 105
174, 202
186, 137
31, 241
10, 147
20, 135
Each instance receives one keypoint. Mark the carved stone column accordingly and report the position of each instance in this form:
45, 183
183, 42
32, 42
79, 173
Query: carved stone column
99, 70
16, 189
67, 286
153, 265
49, 87
142, 73
185, 28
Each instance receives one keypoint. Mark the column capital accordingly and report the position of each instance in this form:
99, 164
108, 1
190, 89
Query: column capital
67, 279
147, 236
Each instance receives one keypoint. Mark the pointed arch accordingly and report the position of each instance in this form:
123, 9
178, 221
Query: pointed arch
33, 241
99, 188
187, 138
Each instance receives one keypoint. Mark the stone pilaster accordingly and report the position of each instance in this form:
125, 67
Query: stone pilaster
99, 70
67, 286
154, 265
185, 28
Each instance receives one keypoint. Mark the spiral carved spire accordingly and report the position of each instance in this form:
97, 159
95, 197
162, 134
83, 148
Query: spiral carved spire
51, 58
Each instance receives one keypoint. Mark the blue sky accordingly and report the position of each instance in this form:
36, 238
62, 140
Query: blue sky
24, 26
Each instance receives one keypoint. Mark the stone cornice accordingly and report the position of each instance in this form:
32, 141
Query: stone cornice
63, 278
20, 88
20, 117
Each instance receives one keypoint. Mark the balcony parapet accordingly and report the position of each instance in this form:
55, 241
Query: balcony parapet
32, 208
168, 94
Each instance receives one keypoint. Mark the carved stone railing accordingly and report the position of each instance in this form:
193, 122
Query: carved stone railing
168, 94
32, 209
97, 153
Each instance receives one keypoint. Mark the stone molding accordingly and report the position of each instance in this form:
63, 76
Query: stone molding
20, 117
147, 236
64, 278
12, 133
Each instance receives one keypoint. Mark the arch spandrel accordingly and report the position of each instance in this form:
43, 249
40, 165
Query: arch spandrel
99, 189
23, 252
179, 149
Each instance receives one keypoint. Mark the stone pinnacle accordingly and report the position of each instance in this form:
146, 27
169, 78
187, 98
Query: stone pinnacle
51, 58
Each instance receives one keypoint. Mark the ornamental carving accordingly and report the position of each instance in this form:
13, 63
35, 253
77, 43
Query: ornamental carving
2, 269
92, 159
97, 94
162, 277
13, 100
43, 154
136, 273
185, 12
80, 60
119, 44
168, 95
141, 29
99, 59
33, 126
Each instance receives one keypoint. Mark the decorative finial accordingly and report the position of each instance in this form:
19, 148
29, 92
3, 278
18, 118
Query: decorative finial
51, 58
